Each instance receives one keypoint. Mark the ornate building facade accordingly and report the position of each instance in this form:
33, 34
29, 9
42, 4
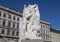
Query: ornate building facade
45, 31
9, 24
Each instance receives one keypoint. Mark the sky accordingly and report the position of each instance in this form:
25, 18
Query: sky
49, 9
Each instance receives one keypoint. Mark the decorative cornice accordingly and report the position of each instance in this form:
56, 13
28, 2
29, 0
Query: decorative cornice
10, 10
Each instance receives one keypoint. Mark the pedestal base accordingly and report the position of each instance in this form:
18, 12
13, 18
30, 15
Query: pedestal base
34, 40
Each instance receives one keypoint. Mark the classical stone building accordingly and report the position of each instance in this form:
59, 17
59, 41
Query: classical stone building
45, 31
49, 35
9, 24
55, 34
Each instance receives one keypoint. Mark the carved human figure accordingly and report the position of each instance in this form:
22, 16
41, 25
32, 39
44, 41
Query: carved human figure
31, 19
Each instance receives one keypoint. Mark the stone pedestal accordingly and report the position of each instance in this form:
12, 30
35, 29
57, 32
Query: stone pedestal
33, 40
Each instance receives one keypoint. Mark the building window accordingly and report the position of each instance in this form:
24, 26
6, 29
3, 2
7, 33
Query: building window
13, 32
3, 31
18, 19
47, 31
17, 33
13, 24
0, 13
4, 22
46, 27
4, 15
41, 26
9, 16
13, 17
8, 31
9, 23
17, 25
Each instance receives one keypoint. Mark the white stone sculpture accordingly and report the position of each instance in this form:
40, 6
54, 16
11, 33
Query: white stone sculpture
31, 22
